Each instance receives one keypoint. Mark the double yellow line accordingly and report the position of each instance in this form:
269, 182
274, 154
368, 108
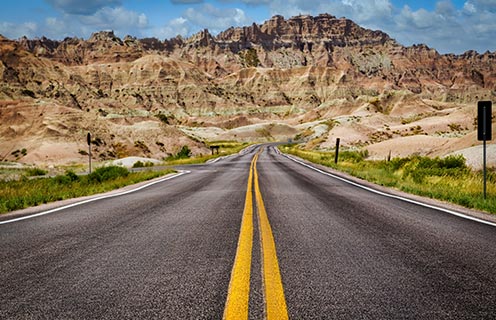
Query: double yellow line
237, 303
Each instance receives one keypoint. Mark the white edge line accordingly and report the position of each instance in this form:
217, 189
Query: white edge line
218, 159
94, 199
458, 214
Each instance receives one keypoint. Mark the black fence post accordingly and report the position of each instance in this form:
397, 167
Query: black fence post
337, 151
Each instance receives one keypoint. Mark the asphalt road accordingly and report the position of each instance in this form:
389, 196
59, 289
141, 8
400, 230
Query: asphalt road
167, 251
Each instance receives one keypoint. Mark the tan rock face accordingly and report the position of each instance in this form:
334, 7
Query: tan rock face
135, 94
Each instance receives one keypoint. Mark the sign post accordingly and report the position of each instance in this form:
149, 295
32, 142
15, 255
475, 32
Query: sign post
336, 155
88, 139
484, 131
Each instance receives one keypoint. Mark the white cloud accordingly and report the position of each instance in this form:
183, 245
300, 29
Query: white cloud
253, 2
186, 1
53, 27
116, 18
120, 20
447, 28
420, 19
366, 10
215, 19
483, 5
84, 7
15, 30
175, 27
469, 8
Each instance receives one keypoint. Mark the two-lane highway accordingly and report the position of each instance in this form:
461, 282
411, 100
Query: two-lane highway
169, 251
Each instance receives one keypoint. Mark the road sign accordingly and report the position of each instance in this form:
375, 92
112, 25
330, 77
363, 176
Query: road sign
484, 128
88, 138
484, 115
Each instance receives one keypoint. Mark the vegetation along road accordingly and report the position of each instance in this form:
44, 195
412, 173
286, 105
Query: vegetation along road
254, 235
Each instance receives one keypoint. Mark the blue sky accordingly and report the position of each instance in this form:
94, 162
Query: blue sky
448, 25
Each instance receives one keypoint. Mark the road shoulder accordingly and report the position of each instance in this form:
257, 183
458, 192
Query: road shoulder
398, 193
75, 201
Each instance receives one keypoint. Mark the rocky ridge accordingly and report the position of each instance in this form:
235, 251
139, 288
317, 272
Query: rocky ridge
281, 79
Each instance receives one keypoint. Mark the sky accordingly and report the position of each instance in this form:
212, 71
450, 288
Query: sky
449, 26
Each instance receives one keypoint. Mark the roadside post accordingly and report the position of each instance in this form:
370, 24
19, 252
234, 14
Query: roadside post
336, 156
88, 139
484, 132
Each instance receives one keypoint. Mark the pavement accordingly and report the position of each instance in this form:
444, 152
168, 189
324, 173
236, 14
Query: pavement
167, 251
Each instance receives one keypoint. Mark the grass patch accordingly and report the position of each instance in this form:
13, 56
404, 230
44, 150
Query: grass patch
33, 172
23, 193
447, 179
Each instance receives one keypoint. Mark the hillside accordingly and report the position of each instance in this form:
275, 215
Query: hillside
307, 78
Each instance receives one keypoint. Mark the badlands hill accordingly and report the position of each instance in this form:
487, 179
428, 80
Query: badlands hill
306, 78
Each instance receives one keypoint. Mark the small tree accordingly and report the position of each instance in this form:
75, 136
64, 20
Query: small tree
184, 153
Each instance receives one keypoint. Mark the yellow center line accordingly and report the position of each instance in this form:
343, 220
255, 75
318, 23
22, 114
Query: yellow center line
237, 302
239, 286
275, 302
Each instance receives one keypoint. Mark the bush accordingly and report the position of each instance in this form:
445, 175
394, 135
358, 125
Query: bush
353, 156
162, 117
66, 179
35, 172
72, 176
398, 163
457, 161
184, 153
107, 173
420, 167
60, 179
140, 164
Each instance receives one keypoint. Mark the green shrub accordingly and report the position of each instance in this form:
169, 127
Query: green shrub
61, 179
164, 118
184, 153
72, 176
353, 156
33, 172
418, 168
107, 173
453, 161
398, 163
140, 164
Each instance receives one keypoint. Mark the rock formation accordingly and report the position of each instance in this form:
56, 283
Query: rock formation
292, 71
